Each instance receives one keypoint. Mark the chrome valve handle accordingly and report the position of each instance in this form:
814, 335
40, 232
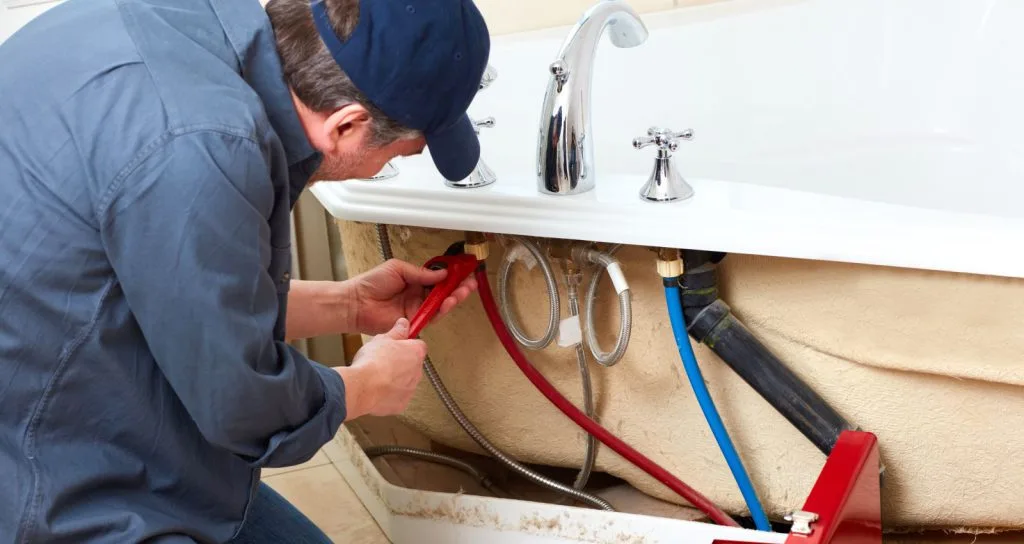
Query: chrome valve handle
490, 74
389, 171
664, 138
482, 175
664, 184
486, 122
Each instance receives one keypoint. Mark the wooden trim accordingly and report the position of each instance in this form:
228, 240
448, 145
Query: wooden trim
313, 260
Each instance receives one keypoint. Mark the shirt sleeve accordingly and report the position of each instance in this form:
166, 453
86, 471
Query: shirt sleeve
188, 237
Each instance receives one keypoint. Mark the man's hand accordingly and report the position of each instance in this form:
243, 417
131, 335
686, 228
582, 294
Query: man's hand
384, 374
395, 290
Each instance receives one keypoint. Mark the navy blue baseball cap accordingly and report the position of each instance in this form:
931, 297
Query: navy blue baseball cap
420, 62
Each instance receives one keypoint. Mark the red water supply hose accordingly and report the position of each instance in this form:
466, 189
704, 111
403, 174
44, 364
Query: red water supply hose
607, 438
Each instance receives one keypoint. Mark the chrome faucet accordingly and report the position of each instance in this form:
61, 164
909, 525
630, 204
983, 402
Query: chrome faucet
565, 156
482, 175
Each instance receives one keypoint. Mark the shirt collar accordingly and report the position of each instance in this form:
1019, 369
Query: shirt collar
248, 29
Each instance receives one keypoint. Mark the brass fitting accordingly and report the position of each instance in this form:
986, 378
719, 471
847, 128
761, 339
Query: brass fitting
670, 262
476, 245
473, 237
573, 272
579, 251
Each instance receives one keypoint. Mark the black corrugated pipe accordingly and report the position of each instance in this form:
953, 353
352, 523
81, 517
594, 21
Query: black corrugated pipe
710, 321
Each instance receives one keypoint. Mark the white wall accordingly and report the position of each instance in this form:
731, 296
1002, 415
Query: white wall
11, 19
503, 16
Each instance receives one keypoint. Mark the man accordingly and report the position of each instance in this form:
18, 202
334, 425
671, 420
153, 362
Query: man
150, 154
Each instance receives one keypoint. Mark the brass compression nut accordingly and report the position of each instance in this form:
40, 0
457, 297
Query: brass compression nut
480, 250
670, 269
670, 262
473, 237
476, 245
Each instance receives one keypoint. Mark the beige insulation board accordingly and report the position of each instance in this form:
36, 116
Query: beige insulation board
928, 361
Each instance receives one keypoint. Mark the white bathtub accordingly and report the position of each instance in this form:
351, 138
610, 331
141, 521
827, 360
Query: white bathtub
868, 131
881, 132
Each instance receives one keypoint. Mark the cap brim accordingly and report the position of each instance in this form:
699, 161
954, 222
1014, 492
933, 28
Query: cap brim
455, 150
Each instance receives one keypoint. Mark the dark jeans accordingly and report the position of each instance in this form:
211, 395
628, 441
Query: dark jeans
272, 519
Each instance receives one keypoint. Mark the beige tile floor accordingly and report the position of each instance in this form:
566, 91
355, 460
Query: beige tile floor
318, 490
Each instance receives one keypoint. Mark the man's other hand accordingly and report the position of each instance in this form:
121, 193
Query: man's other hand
384, 374
396, 289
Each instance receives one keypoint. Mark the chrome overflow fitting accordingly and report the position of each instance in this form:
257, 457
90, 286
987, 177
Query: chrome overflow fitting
482, 175
664, 184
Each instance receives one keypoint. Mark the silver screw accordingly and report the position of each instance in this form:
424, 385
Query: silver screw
801, 521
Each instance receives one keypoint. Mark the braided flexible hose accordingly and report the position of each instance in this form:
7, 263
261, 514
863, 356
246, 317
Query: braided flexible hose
384, 244
609, 358
551, 285
434, 457
590, 457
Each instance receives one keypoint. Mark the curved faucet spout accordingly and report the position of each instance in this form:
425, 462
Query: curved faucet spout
625, 29
565, 162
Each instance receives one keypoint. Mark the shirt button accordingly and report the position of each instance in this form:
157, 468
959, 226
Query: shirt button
287, 276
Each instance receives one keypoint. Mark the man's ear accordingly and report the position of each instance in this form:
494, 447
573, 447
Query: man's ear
346, 127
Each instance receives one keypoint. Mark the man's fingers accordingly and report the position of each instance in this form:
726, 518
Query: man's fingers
457, 297
413, 300
447, 306
461, 294
400, 331
419, 348
423, 349
411, 379
416, 381
417, 275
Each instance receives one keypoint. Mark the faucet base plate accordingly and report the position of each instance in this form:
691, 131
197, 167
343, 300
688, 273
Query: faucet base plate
665, 184
482, 176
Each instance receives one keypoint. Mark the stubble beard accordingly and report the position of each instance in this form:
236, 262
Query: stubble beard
338, 168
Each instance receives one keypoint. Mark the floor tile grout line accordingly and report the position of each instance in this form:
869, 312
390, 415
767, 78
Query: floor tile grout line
287, 471
334, 478
270, 473
365, 510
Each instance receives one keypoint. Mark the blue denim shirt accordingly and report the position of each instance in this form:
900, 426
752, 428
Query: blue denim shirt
150, 155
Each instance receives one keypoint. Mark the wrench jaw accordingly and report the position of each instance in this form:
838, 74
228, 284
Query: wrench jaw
435, 267
460, 267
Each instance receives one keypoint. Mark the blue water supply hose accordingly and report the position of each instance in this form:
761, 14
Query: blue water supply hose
675, 313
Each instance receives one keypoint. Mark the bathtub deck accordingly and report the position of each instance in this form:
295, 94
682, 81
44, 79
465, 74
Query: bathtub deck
810, 141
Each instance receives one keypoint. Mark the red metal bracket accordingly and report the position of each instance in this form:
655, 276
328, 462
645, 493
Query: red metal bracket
844, 506
459, 268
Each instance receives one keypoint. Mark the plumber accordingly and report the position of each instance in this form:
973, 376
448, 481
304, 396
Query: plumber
150, 154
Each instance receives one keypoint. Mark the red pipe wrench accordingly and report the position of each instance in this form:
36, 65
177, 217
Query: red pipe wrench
459, 267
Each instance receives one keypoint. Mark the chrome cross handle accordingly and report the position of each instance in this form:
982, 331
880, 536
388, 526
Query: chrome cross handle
490, 74
486, 122
664, 138
482, 175
664, 184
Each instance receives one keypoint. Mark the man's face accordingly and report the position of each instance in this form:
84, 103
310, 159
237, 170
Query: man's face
343, 139
359, 160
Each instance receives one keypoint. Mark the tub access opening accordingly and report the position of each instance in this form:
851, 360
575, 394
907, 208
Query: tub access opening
413, 473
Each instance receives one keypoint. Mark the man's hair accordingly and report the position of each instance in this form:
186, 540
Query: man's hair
312, 73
